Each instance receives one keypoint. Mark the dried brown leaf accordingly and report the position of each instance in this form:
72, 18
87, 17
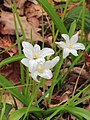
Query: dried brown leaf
5, 43
11, 72
87, 58
8, 27
10, 100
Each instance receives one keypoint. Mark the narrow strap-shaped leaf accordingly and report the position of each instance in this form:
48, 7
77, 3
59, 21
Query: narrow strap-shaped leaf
72, 28
53, 15
11, 59
78, 111
19, 113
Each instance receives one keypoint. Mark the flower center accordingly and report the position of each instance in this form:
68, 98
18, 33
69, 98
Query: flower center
35, 56
69, 45
40, 69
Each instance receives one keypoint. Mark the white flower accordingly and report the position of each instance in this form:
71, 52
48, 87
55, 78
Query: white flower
35, 61
34, 53
71, 45
42, 68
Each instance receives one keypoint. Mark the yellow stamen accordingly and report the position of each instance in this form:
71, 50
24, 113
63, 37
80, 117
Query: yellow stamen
35, 56
69, 45
40, 69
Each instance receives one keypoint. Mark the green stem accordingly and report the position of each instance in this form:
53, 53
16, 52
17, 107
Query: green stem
33, 98
19, 49
27, 83
42, 30
64, 13
56, 73
55, 36
83, 19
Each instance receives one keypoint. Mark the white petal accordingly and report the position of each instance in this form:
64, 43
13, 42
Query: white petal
61, 44
66, 37
34, 76
47, 74
27, 46
28, 53
33, 65
74, 39
74, 52
25, 61
78, 46
65, 52
46, 52
51, 63
36, 48
40, 60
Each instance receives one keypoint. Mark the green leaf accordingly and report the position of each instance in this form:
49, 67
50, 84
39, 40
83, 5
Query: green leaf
53, 15
11, 59
19, 113
72, 28
76, 14
7, 109
3, 110
13, 90
78, 111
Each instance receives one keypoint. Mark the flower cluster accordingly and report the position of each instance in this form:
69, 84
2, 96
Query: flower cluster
71, 45
35, 57
35, 60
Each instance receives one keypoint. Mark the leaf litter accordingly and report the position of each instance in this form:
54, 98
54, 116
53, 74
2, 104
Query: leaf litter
30, 13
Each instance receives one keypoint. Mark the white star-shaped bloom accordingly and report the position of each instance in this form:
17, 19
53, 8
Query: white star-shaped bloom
71, 45
42, 68
34, 53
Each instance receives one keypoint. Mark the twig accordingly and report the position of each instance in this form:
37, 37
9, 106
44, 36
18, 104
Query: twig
77, 80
